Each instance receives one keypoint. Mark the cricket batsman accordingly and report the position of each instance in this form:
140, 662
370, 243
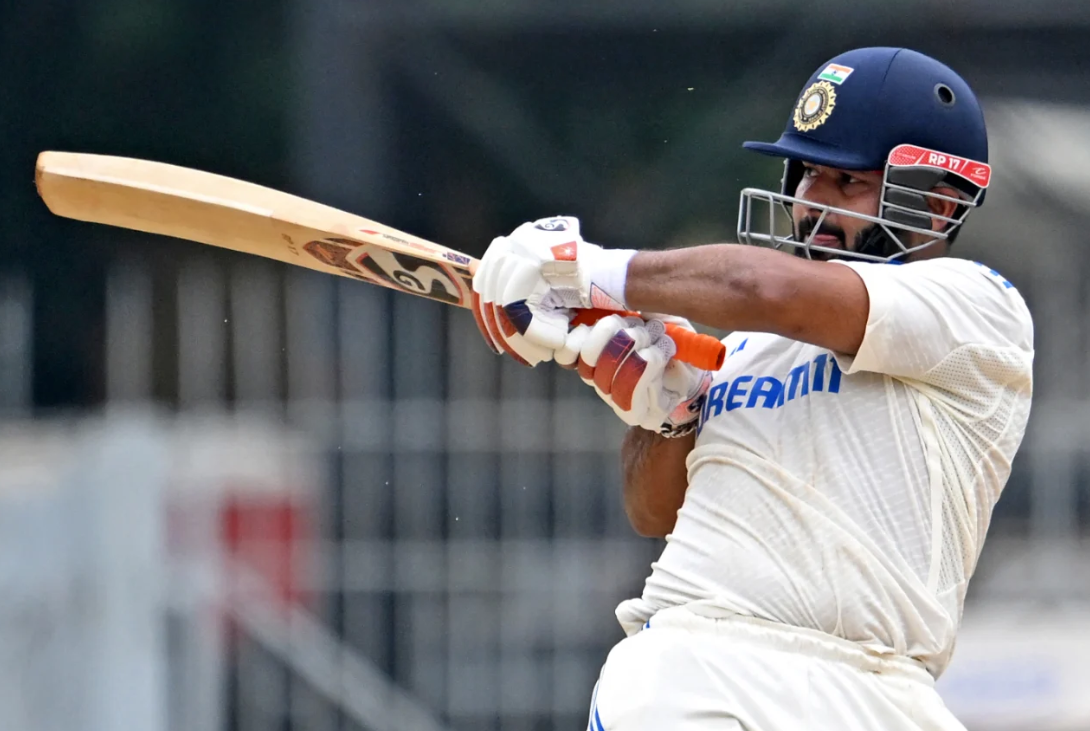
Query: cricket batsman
826, 493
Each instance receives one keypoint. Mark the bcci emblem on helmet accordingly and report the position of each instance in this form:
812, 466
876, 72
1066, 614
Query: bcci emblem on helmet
814, 107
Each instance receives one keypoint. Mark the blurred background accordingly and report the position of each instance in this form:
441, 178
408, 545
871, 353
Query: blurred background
235, 495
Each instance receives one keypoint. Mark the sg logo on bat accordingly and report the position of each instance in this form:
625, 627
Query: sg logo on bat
399, 271
409, 273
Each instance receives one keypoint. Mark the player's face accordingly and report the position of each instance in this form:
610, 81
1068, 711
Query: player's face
852, 190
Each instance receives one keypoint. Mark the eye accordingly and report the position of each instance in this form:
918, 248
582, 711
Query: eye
846, 179
809, 172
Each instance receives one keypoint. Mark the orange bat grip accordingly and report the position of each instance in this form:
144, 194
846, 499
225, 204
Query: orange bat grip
702, 351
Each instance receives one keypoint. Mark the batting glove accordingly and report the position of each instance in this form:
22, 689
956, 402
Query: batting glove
629, 363
528, 282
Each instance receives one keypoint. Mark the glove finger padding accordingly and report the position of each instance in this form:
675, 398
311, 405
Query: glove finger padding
524, 300
488, 330
628, 363
622, 365
638, 389
482, 308
595, 341
567, 356
491, 339
500, 332
618, 358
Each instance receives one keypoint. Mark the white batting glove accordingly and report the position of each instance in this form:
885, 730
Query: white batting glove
629, 363
527, 283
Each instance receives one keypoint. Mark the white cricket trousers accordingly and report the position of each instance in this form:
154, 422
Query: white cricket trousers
684, 672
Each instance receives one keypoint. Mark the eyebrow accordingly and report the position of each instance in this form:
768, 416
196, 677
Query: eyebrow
841, 171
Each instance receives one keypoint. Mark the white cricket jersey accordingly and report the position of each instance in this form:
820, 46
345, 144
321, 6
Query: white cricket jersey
851, 495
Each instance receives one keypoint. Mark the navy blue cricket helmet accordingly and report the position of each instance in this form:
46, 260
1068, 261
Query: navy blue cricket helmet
890, 109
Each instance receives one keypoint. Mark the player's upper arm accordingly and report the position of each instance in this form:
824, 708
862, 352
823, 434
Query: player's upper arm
817, 303
920, 313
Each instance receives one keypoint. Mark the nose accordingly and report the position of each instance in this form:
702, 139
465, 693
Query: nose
818, 191
816, 188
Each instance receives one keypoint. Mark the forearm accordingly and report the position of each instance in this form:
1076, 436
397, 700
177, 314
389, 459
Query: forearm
654, 479
734, 287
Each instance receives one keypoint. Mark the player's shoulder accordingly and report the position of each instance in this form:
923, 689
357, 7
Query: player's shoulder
969, 279
943, 277
971, 283
952, 288
965, 270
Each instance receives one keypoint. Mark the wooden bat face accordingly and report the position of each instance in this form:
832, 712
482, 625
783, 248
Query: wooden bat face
221, 211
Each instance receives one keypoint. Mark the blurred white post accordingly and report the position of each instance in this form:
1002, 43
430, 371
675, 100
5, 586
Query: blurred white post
202, 328
122, 472
82, 567
255, 328
16, 346
309, 338
128, 335
199, 663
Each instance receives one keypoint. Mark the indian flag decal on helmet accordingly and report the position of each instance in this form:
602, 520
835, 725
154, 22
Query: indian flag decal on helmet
977, 173
836, 73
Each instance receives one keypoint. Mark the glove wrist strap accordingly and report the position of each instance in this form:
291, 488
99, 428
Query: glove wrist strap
674, 431
607, 279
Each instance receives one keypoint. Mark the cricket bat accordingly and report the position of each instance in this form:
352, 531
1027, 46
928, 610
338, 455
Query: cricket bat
221, 211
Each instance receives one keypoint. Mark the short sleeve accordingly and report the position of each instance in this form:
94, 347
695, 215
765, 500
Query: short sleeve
923, 313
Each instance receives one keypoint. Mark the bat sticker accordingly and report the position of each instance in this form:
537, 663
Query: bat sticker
398, 240
334, 253
459, 259
410, 274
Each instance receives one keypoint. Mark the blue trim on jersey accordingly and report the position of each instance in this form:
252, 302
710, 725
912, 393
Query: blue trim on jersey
1002, 280
594, 723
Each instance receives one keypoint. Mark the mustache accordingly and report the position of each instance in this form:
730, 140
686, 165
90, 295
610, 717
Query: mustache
807, 225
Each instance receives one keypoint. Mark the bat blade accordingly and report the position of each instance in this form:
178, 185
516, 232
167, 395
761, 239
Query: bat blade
221, 211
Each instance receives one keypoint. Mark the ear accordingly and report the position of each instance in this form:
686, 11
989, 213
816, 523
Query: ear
942, 207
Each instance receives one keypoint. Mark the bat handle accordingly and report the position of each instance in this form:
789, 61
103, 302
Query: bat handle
703, 351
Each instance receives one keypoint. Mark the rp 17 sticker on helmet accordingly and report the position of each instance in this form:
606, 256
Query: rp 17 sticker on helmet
977, 173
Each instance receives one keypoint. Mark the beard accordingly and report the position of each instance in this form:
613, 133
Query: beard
806, 227
870, 240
